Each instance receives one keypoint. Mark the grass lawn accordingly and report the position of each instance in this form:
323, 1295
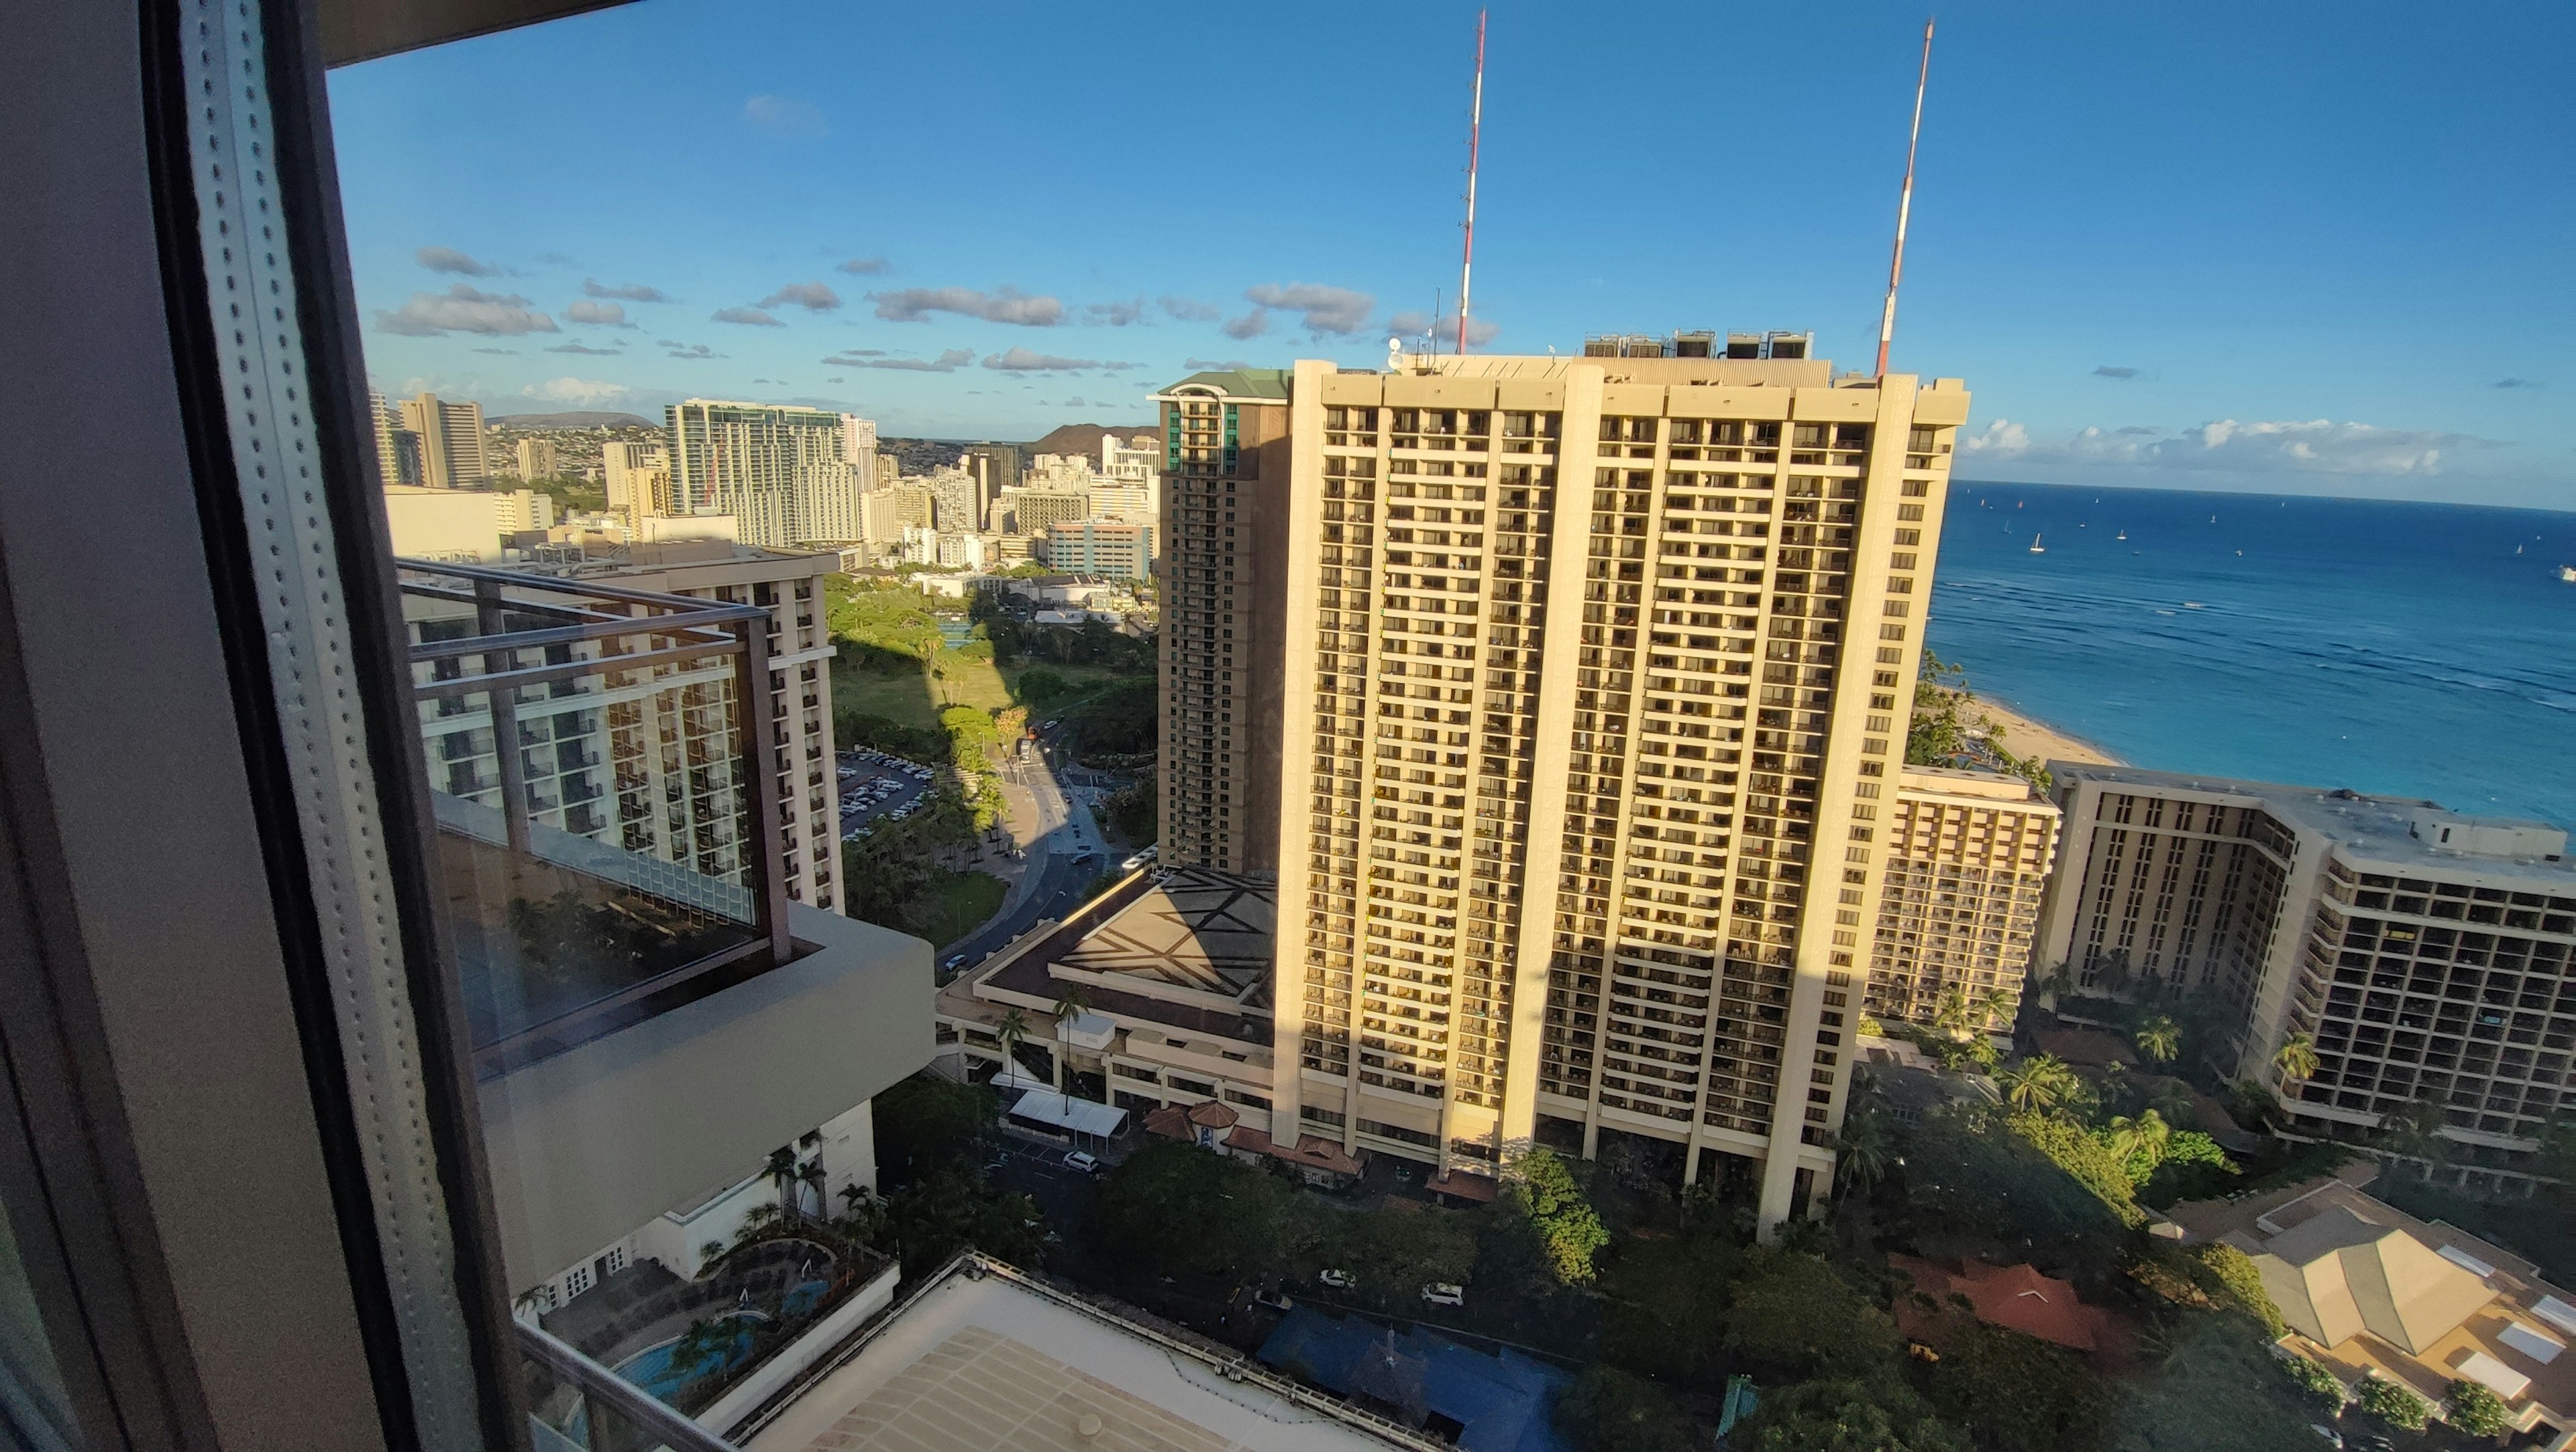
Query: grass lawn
955, 904
910, 698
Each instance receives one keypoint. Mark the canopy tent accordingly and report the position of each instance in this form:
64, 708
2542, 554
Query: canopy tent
1011, 1078
1063, 1111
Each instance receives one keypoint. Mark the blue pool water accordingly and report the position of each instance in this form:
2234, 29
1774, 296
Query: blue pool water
2389, 647
652, 1370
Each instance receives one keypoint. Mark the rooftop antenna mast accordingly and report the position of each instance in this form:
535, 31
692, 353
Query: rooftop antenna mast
1475, 135
1904, 206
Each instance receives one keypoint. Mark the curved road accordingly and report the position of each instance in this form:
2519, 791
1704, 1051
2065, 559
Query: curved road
1068, 836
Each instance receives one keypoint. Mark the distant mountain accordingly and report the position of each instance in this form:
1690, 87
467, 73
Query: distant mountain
579, 419
1084, 438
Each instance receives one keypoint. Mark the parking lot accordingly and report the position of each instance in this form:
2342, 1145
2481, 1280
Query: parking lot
874, 785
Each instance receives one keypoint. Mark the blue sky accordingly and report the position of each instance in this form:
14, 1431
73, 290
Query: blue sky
2273, 247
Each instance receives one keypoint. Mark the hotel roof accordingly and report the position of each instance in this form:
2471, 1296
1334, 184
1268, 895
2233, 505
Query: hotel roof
987, 1359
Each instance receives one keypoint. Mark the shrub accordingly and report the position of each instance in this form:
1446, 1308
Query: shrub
2393, 1404
1566, 1223
2316, 1381
1793, 1315
2239, 1284
2476, 1409
1607, 1410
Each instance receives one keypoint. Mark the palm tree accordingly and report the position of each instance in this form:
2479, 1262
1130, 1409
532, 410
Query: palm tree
1013, 1031
2040, 1082
1073, 1000
2159, 1038
1998, 1003
2145, 1136
2297, 1057
782, 1173
1863, 1151
1952, 1016
2414, 1134
2056, 983
814, 1176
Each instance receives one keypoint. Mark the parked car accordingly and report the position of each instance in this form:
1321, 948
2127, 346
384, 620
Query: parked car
955, 963
1273, 1297
1441, 1293
1340, 1280
1081, 1163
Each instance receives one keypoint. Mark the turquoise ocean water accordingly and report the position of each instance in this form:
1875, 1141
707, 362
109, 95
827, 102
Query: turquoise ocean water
2391, 648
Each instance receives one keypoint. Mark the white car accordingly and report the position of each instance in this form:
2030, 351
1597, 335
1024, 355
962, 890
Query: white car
1340, 1280
1081, 1163
1441, 1293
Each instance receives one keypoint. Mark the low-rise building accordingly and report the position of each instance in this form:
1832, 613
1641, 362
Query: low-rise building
2369, 1290
1100, 547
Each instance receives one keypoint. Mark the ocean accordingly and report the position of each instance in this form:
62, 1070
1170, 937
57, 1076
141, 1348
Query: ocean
2400, 649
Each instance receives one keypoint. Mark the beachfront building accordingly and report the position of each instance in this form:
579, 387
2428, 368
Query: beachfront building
1589, 677
2424, 956
1968, 856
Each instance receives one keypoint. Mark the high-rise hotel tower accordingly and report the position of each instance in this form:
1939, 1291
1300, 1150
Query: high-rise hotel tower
1589, 685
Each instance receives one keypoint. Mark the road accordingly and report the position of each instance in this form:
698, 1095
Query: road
1064, 856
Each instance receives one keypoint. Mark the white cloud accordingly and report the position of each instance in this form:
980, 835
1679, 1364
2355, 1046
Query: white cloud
2269, 446
1480, 330
597, 314
1002, 305
1188, 310
2002, 439
448, 259
749, 317
1115, 314
623, 292
1251, 325
865, 266
588, 391
464, 309
814, 297
1326, 309
1021, 360
785, 116
947, 362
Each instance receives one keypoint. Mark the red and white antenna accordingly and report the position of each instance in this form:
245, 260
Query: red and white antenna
1475, 130
1904, 207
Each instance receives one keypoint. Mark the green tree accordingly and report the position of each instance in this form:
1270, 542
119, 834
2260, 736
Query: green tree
2235, 1282
1608, 1410
2474, 1408
1664, 1304
781, 1170
1847, 1415
2393, 1403
2414, 1133
1543, 1189
1173, 1207
2018, 1393
1864, 1151
2218, 1390
925, 1123
1012, 1032
1793, 1317
2315, 1382
947, 1210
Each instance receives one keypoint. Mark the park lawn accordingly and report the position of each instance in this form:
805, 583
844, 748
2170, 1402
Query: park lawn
902, 697
954, 904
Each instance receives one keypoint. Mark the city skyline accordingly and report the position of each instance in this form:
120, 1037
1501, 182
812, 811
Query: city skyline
2153, 298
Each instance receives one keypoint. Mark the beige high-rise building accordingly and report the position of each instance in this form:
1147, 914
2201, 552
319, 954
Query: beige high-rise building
1225, 568
638, 477
537, 459
1967, 860
452, 453
1589, 679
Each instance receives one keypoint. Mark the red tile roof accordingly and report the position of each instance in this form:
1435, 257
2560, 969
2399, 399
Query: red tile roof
2015, 1297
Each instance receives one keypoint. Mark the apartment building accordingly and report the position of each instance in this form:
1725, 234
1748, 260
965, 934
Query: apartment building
790, 587
2425, 954
537, 459
779, 469
452, 445
638, 478
1226, 469
1032, 511
1968, 855
1101, 547
1593, 675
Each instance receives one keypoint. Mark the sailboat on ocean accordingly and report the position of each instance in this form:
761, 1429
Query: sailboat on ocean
2036, 547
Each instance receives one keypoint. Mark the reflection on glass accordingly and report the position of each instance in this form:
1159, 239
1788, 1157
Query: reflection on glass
592, 767
35, 1409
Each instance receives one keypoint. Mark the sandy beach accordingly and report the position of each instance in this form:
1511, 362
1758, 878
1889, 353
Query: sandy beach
2024, 736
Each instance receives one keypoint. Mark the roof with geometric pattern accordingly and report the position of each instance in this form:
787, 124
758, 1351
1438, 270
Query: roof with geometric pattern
1209, 931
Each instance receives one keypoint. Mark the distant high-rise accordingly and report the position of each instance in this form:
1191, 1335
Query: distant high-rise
1226, 468
397, 447
778, 469
638, 477
1100, 547
537, 459
1589, 677
452, 453
995, 467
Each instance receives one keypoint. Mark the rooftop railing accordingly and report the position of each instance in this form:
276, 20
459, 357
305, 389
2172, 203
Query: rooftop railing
605, 786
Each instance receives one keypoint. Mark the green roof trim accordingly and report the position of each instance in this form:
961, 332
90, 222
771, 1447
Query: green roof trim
1259, 384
